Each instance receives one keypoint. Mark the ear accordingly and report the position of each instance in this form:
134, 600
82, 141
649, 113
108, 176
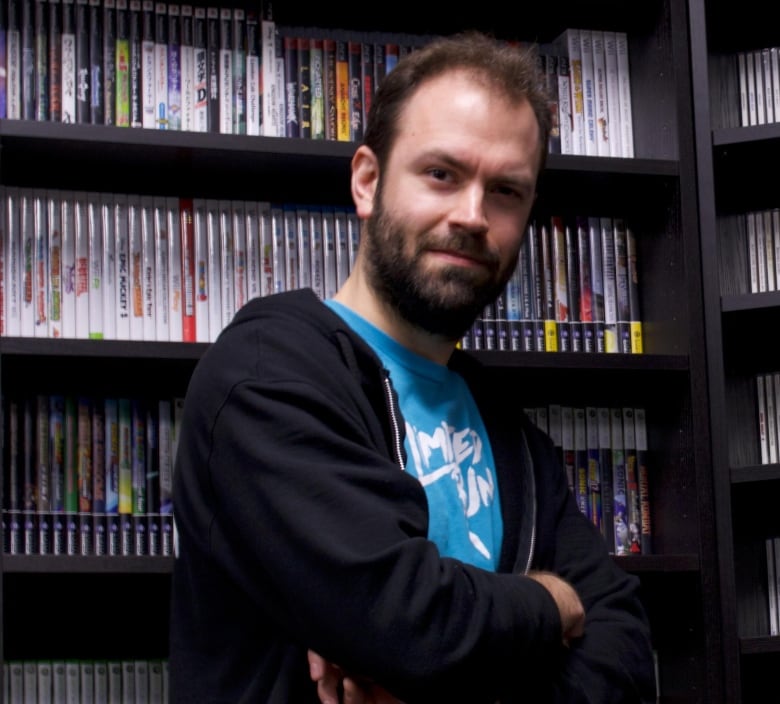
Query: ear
365, 177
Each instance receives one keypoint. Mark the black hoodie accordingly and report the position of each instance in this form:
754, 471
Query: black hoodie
297, 528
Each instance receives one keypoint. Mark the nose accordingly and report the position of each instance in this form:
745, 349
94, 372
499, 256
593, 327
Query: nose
468, 211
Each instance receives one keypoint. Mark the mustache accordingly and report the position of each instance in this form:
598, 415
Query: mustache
460, 243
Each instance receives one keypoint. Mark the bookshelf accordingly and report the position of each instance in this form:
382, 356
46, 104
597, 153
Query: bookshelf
656, 191
728, 152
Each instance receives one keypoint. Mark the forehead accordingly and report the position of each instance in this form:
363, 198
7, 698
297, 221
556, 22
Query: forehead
464, 110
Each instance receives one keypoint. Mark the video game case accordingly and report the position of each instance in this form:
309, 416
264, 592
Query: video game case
174, 67
109, 62
144, 48
161, 107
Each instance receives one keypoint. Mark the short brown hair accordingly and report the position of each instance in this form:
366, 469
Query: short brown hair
511, 68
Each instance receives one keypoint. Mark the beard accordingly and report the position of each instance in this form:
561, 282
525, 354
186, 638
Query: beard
444, 301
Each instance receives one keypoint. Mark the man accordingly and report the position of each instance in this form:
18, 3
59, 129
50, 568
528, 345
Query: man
349, 490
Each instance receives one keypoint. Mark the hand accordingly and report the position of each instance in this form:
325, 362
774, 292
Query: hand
331, 679
569, 605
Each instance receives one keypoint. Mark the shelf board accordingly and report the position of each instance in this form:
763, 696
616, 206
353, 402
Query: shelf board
759, 645
755, 473
19, 564
77, 564
31, 347
750, 301
578, 360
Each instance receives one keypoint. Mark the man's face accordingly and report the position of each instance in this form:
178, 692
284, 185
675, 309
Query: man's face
452, 204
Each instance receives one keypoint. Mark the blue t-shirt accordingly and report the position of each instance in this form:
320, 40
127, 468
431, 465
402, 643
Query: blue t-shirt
447, 448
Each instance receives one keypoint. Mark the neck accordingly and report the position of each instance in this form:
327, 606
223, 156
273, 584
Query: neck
357, 295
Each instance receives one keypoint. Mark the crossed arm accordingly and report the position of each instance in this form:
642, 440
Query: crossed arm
334, 686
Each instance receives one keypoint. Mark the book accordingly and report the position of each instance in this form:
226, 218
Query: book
123, 63
81, 236
57, 470
42, 473
568, 43
289, 41
581, 461
330, 273
12, 296
129, 79
532, 292
200, 84
161, 75
149, 206
546, 274
643, 480
303, 99
238, 229
329, 88
317, 74
565, 114
268, 32
623, 306
771, 572
343, 122
96, 78
635, 315
624, 91
108, 265
201, 273
600, 97
188, 281
633, 506
594, 478
111, 465
151, 50
588, 91
174, 68
122, 281
568, 447
355, 88
109, 27
254, 86
227, 261
239, 83
84, 472
597, 282
213, 32
573, 287
14, 60
214, 274
41, 60
609, 282
175, 280
83, 68
317, 251
613, 94
761, 417
95, 267
549, 67
187, 68
40, 270
27, 93
125, 502
98, 510
27, 261
607, 487
72, 542
620, 490
225, 71
560, 284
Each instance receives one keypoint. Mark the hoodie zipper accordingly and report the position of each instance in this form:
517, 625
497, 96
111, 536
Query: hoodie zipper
392, 411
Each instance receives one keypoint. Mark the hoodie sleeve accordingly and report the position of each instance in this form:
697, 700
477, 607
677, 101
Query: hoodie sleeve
613, 661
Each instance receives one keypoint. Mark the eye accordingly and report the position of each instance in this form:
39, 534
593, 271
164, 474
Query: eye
440, 174
510, 192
